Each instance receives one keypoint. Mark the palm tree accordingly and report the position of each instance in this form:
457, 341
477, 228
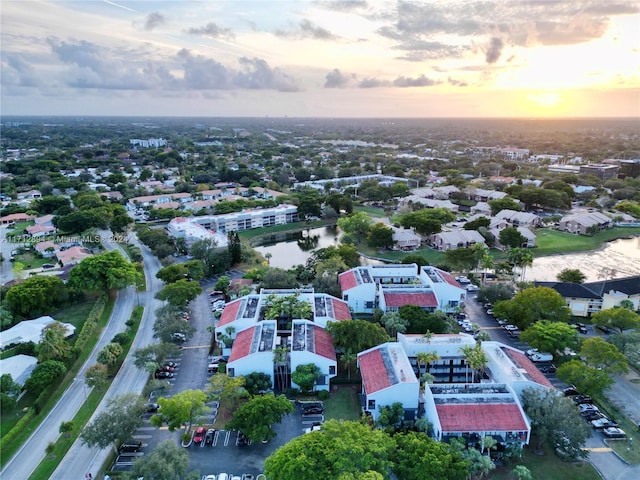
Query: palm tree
281, 361
426, 359
348, 358
476, 358
428, 335
53, 344
467, 352
268, 257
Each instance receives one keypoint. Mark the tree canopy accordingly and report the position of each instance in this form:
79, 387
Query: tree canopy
356, 335
588, 380
339, 448
550, 337
183, 408
554, 418
619, 318
35, 296
256, 416
105, 271
531, 305
179, 293
117, 423
571, 275
167, 461
600, 354
305, 376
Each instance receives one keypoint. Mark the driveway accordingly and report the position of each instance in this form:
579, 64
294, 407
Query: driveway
625, 393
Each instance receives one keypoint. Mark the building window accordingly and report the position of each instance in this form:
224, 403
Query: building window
371, 405
346, 298
322, 380
368, 304
230, 372
332, 369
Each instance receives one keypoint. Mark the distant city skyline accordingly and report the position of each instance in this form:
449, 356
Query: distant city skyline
321, 58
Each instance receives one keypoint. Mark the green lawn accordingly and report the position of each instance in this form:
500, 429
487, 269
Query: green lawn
343, 404
31, 260
550, 242
75, 314
248, 235
371, 211
547, 467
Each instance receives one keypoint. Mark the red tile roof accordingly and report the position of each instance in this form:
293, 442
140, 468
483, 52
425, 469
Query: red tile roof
242, 344
347, 280
535, 374
323, 343
230, 312
422, 299
341, 310
483, 417
372, 369
449, 278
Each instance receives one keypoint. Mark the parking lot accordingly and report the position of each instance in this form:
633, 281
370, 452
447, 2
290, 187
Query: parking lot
225, 453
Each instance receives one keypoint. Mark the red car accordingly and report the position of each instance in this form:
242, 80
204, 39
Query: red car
198, 437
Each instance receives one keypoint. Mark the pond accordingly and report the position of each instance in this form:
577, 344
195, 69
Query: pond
288, 249
617, 259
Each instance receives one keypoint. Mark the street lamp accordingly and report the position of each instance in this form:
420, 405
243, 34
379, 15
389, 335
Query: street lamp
84, 387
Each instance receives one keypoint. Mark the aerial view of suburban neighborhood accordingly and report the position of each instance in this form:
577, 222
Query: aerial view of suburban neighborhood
383, 279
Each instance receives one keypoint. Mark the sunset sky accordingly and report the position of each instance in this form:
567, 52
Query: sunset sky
328, 58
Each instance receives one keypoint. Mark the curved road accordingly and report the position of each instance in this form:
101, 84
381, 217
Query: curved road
80, 460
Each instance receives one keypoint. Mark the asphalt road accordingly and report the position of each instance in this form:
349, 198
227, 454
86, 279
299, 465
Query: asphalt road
32, 452
81, 459
6, 267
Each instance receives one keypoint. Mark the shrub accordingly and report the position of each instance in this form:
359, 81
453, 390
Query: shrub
120, 338
323, 395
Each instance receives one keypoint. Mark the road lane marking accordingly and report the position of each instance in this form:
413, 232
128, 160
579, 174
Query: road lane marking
194, 347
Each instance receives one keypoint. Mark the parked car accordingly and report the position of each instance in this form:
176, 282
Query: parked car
170, 364
489, 311
313, 410
162, 374
131, 446
570, 391
152, 407
581, 399
208, 438
166, 368
472, 288
605, 329
209, 477
593, 416
614, 432
178, 337
550, 368
198, 437
242, 440
508, 327
247, 476
47, 266
502, 322
587, 408
541, 357
603, 422
581, 327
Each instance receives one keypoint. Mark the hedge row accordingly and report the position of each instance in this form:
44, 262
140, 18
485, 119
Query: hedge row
17, 429
91, 323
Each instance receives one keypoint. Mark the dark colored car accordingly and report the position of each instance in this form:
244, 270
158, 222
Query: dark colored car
152, 407
605, 329
161, 374
198, 437
131, 446
570, 391
208, 438
47, 266
580, 399
313, 410
551, 368
593, 416
242, 440
170, 364
166, 368
581, 327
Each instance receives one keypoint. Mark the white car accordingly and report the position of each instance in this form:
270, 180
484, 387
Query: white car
209, 477
532, 351
472, 288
